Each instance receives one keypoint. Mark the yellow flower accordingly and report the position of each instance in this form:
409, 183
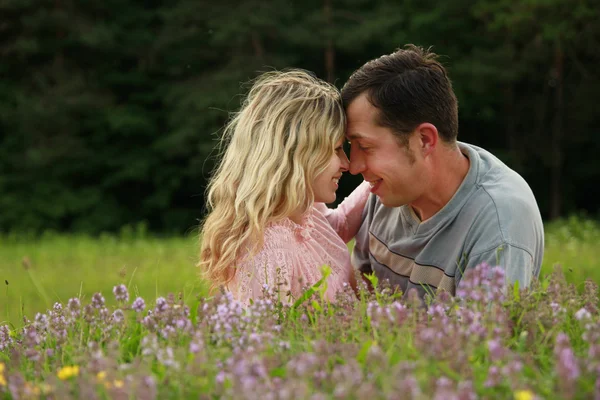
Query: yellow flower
2, 380
101, 375
1, 367
524, 395
68, 372
118, 383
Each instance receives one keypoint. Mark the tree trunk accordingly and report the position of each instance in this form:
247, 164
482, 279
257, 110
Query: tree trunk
515, 146
329, 50
259, 51
557, 133
60, 34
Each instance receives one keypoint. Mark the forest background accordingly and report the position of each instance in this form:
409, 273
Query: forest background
110, 111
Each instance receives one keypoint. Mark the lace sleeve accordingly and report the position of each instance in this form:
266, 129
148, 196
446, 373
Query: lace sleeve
273, 266
347, 217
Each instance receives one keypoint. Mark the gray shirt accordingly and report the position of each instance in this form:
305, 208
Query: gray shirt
493, 218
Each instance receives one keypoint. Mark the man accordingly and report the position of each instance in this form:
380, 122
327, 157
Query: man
441, 206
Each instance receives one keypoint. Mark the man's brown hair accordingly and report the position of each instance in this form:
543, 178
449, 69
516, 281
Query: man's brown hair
408, 87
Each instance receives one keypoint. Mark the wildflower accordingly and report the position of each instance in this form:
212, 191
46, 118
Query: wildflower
118, 383
41, 321
284, 345
582, 314
101, 375
556, 308
118, 316
97, 300
195, 347
496, 349
444, 389
68, 372
74, 306
167, 358
494, 377
138, 305
149, 383
5, 339
566, 363
524, 395
121, 293
161, 304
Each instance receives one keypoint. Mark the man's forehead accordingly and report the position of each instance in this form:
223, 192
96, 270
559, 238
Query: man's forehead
355, 136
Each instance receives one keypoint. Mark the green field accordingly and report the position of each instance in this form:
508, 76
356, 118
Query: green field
530, 344
55, 268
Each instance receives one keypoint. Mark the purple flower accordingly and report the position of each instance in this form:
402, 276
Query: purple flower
5, 339
161, 305
195, 347
41, 321
566, 362
443, 389
582, 314
220, 378
556, 309
74, 306
465, 391
494, 377
138, 305
167, 358
149, 322
97, 300
121, 293
118, 316
496, 350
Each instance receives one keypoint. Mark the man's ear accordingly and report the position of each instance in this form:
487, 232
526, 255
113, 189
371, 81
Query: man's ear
428, 136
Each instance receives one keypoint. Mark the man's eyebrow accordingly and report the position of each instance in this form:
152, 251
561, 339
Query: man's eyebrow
353, 136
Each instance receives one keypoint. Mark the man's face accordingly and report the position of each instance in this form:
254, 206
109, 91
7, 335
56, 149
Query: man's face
397, 174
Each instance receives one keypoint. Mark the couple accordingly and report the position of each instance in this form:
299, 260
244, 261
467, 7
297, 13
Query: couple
438, 206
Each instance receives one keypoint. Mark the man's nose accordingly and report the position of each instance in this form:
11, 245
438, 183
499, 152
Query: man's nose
357, 162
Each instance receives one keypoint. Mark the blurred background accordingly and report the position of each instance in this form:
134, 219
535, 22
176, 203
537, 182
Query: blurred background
110, 111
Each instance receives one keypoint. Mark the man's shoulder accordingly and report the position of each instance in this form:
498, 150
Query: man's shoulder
505, 206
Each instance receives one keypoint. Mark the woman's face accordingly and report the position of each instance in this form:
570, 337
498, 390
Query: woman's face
326, 183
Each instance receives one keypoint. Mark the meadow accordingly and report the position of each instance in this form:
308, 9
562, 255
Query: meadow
93, 317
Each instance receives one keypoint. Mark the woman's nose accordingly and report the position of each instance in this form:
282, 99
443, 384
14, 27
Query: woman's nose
344, 162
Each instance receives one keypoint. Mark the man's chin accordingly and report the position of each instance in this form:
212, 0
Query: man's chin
389, 202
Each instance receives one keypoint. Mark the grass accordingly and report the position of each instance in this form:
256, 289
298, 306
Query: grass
55, 268
42, 271
539, 343
574, 244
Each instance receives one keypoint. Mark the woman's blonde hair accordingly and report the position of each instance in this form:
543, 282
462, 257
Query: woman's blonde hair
281, 139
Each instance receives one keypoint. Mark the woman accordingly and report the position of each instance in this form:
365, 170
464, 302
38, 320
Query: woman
267, 221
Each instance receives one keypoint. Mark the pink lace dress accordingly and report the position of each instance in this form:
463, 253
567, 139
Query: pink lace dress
292, 254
